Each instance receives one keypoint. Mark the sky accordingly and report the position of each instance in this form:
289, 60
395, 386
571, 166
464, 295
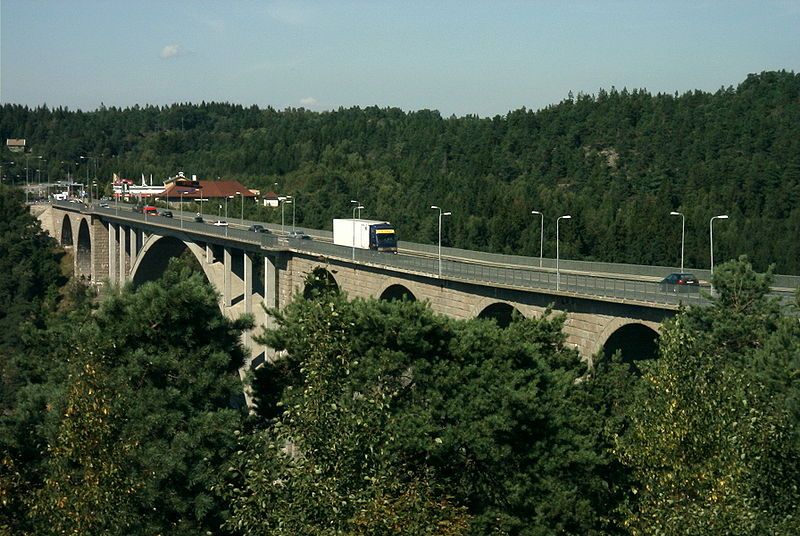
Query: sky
467, 57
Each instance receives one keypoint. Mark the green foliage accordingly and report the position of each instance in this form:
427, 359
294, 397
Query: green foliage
31, 276
127, 417
712, 450
88, 479
388, 408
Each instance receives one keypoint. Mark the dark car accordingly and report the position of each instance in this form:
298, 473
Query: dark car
166, 213
300, 235
198, 218
257, 228
678, 282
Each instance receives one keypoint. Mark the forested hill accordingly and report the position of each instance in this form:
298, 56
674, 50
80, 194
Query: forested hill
617, 161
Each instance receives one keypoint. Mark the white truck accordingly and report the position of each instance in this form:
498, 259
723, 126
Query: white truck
365, 234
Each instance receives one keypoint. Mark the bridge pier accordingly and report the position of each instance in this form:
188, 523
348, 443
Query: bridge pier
99, 250
112, 252
227, 299
122, 266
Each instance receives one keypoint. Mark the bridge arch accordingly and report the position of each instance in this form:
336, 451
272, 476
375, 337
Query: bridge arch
320, 280
153, 258
397, 291
83, 251
66, 232
635, 339
500, 312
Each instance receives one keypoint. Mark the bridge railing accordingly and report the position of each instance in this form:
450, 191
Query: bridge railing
478, 267
515, 277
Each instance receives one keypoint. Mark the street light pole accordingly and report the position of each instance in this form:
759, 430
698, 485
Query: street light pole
541, 236
558, 272
711, 239
287, 199
226, 213
294, 203
683, 232
242, 194
181, 216
358, 207
434, 207
88, 163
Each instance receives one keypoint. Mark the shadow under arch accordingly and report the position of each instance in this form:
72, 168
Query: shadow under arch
66, 232
153, 259
500, 312
319, 281
397, 292
634, 341
83, 252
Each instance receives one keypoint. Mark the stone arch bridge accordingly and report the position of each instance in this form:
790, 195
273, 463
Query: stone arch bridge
116, 246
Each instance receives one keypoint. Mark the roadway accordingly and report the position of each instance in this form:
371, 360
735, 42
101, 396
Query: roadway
574, 279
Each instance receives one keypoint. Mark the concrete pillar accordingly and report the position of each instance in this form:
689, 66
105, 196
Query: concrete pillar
99, 236
248, 282
227, 299
123, 269
209, 253
135, 243
112, 253
270, 283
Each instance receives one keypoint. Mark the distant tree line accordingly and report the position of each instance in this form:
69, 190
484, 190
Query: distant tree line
618, 162
123, 414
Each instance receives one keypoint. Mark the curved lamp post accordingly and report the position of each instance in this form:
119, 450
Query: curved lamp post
226, 213
711, 239
287, 199
434, 207
683, 232
358, 207
541, 235
558, 272
294, 204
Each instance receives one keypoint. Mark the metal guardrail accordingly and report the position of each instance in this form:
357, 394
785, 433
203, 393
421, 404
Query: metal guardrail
485, 268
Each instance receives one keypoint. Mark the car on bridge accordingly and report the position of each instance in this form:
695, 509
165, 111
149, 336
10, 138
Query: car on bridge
220, 223
166, 213
298, 235
258, 228
679, 282
150, 210
198, 218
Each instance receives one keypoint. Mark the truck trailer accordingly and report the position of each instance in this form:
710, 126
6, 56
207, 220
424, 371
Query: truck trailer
365, 234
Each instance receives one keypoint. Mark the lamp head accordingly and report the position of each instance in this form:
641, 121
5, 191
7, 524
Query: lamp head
434, 207
536, 212
447, 213
673, 213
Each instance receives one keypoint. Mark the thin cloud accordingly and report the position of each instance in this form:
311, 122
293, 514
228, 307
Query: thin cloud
216, 25
308, 101
288, 13
170, 51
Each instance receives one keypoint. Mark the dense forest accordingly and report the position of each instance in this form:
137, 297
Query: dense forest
618, 161
123, 414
